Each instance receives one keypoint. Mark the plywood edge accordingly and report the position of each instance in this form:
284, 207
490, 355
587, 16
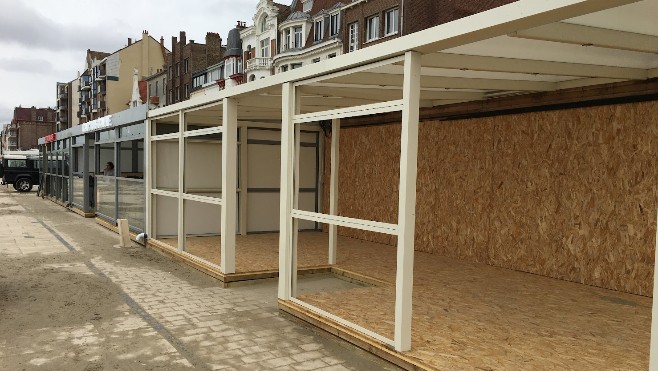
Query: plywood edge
359, 278
82, 213
362, 341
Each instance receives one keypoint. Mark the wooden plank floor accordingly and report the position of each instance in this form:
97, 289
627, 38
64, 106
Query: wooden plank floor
469, 316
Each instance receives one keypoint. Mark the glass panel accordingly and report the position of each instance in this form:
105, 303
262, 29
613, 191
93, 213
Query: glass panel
202, 230
105, 188
165, 163
165, 125
165, 218
132, 159
131, 202
203, 165
65, 189
107, 135
203, 118
78, 190
107, 165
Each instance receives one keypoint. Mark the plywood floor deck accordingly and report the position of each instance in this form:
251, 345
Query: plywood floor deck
473, 316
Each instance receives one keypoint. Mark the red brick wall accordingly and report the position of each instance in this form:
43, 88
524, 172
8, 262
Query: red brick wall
423, 14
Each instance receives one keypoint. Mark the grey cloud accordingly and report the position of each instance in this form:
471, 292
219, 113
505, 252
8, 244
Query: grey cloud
38, 66
22, 25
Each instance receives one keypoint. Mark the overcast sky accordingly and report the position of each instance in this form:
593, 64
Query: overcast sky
44, 41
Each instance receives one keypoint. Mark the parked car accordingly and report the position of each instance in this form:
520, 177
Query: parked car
21, 170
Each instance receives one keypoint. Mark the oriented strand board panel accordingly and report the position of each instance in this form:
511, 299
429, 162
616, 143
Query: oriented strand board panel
570, 194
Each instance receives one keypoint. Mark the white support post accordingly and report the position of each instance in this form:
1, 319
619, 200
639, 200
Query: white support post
653, 349
181, 181
286, 193
407, 202
295, 222
229, 180
244, 181
149, 163
333, 189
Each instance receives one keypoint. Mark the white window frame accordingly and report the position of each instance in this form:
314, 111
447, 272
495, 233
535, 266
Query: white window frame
334, 24
372, 28
318, 31
353, 36
263, 24
265, 48
288, 38
394, 16
298, 41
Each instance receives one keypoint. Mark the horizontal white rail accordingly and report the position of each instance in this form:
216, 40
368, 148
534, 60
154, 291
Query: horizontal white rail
365, 225
165, 137
160, 192
199, 132
356, 111
203, 199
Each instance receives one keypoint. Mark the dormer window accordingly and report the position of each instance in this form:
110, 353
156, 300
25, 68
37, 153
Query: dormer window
319, 29
308, 5
334, 24
263, 24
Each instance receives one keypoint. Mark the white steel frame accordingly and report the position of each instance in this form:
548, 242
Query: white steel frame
405, 228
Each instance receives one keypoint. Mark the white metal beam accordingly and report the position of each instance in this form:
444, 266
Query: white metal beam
591, 36
181, 181
244, 180
149, 161
527, 66
333, 189
367, 109
343, 221
229, 187
285, 202
383, 79
407, 202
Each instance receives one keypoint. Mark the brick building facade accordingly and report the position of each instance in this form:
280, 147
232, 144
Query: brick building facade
185, 59
27, 126
367, 23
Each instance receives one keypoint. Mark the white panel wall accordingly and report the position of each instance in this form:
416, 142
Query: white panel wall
203, 168
166, 165
166, 214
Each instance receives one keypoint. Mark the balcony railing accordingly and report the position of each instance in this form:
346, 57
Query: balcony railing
85, 85
259, 64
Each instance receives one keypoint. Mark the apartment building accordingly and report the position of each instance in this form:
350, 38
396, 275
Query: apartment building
27, 126
227, 72
157, 89
260, 39
185, 59
106, 85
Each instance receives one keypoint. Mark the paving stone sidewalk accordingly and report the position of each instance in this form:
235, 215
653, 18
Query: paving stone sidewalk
70, 299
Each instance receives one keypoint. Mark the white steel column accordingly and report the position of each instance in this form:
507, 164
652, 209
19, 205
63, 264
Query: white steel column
229, 180
181, 180
296, 182
407, 201
243, 179
653, 349
333, 189
148, 166
286, 193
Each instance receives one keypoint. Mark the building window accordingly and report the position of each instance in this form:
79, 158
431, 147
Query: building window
177, 69
186, 65
178, 94
298, 37
319, 29
39, 118
265, 48
284, 68
157, 91
334, 24
308, 5
228, 67
332, 55
316, 60
353, 38
372, 28
187, 90
263, 24
164, 84
391, 22
286, 35
295, 65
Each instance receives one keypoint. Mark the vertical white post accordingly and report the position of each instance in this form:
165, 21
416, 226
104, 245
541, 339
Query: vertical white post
333, 189
653, 349
149, 166
229, 181
181, 181
286, 193
407, 201
295, 222
244, 181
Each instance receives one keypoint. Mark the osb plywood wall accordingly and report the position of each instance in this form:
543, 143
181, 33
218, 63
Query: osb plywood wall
570, 194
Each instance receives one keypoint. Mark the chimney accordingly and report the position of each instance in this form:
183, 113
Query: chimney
213, 48
183, 39
161, 40
174, 41
191, 41
130, 41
